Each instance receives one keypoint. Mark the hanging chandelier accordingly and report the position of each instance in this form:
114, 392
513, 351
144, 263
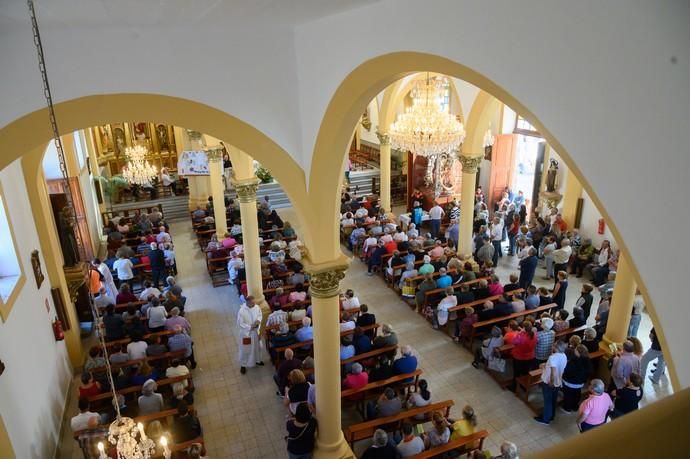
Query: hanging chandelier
425, 128
138, 171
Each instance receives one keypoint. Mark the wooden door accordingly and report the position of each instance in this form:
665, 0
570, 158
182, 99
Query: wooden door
502, 166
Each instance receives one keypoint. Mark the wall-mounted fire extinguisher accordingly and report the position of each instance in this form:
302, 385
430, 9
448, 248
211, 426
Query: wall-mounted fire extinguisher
57, 330
601, 226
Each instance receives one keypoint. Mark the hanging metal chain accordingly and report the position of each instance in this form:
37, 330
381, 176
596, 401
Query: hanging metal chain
53, 123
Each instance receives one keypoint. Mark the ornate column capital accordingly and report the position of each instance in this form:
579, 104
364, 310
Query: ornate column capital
324, 278
470, 163
384, 138
246, 189
214, 154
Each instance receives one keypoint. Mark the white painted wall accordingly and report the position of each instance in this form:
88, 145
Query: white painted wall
34, 386
589, 222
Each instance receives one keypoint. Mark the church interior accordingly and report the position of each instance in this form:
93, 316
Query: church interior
343, 229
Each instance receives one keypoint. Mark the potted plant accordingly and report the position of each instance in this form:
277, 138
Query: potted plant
263, 175
112, 186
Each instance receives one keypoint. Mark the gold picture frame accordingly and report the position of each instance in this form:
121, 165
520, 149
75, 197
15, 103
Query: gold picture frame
36, 266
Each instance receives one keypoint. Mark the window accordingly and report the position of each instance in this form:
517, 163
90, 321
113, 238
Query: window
11, 276
522, 126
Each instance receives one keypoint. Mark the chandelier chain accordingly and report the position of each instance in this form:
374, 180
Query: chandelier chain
53, 123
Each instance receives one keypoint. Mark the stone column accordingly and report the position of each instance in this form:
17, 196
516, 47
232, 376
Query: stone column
621, 304
573, 192
469, 176
246, 192
385, 175
215, 168
324, 285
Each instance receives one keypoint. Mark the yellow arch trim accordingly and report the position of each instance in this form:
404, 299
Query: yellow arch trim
478, 120
33, 130
347, 104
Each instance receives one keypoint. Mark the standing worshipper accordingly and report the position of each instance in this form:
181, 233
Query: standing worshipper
248, 322
108, 281
157, 262
528, 266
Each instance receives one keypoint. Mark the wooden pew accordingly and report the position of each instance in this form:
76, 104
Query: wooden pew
467, 444
361, 395
364, 430
163, 383
435, 291
154, 358
146, 337
525, 382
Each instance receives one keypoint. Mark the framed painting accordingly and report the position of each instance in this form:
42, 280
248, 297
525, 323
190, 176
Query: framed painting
36, 266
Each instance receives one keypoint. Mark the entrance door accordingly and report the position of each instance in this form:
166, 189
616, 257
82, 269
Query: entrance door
502, 165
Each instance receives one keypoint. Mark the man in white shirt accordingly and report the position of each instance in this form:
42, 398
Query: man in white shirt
81, 421
103, 299
123, 266
137, 348
636, 317
561, 257
551, 381
149, 290
446, 303
411, 444
496, 238
163, 236
361, 213
436, 213
350, 301
347, 324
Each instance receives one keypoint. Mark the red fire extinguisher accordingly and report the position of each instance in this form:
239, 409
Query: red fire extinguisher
57, 330
601, 226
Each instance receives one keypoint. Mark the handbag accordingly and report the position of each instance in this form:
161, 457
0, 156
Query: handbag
408, 291
497, 364
247, 340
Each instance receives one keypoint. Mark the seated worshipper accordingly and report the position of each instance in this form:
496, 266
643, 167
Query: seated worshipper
113, 324
275, 253
297, 390
495, 287
487, 351
118, 354
388, 404
544, 297
150, 401
361, 341
175, 319
443, 280
578, 319
412, 232
297, 294
228, 241
386, 338
137, 347
409, 272
577, 371
89, 386
289, 363
532, 298
199, 213
382, 370
103, 299
376, 257
346, 323
395, 260
439, 434
366, 318
406, 363
299, 314
278, 316
465, 426
141, 373
305, 332
503, 306
419, 398
513, 284
149, 289
125, 295
410, 444
81, 420
186, 426
347, 350
296, 278
517, 302
274, 283
281, 337
511, 331
427, 284
482, 290
180, 341
628, 398
561, 321
591, 340
301, 430
437, 251
585, 254
155, 347
427, 267
279, 299
486, 312
380, 447
449, 301
173, 287
163, 236
594, 410
355, 379
545, 339
177, 369
157, 315
235, 265
350, 301
464, 327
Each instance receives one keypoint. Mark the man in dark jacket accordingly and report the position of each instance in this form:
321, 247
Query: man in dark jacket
528, 266
157, 261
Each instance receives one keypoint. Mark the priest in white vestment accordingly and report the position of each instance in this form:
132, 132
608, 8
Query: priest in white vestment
248, 324
108, 281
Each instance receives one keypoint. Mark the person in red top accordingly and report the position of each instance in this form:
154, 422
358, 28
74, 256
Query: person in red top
464, 327
391, 247
513, 330
356, 379
523, 351
125, 295
89, 387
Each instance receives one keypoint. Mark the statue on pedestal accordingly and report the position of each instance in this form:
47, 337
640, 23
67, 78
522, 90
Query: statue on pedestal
68, 242
551, 175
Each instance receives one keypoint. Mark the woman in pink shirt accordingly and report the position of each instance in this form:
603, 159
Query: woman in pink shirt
495, 287
358, 378
595, 408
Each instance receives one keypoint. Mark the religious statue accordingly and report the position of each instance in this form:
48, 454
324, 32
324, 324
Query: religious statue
162, 132
366, 122
68, 242
551, 175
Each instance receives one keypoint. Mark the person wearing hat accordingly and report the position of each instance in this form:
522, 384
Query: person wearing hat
157, 261
150, 401
545, 339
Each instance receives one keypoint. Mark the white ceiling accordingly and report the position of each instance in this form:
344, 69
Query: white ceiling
104, 13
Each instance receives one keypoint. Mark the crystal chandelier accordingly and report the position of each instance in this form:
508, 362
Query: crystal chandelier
425, 128
138, 171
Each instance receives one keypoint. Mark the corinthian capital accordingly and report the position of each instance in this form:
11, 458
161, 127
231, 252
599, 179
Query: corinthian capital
470, 163
246, 189
214, 154
384, 138
326, 284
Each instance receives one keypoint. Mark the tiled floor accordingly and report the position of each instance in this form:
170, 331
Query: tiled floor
242, 417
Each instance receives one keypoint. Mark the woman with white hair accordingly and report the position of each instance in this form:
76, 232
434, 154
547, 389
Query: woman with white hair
150, 401
508, 451
427, 267
412, 232
409, 271
380, 447
595, 408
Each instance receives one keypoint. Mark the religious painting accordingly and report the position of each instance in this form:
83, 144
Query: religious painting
105, 137
162, 135
437, 177
193, 163
119, 142
36, 266
140, 131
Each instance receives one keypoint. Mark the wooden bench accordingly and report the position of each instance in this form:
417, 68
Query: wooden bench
435, 291
134, 390
146, 337
364, 430
166, 356
361, 395
466, 444
525, 382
